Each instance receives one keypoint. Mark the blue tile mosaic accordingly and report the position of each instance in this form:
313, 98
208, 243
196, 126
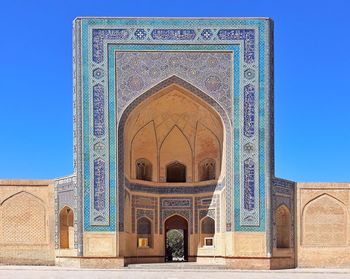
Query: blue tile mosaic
249, 184
98, 110
98, 37
207, 34
249, 110
173, 34
99, 185
249, 33
140, 34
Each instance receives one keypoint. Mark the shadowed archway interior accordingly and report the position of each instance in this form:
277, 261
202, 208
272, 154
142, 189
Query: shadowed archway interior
176, 239
173, 155
173, 136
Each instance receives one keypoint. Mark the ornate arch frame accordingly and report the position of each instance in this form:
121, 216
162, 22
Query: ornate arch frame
154, 90
249, 40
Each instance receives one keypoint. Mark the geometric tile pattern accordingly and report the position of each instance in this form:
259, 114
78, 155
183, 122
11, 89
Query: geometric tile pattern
137, 71
180, 206
177, 189
207, 206
66, 194
283, 193
143, 206
98, 41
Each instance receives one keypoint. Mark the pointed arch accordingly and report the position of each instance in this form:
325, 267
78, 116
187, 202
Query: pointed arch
207, 145
207, 169
20, 193
177, 225
283, 226
324, 222
207, 231
176, 153
190, 91
144, 145
143, 169
176, 221
176, 172
23, 219
144, 232
66, 217
207, 225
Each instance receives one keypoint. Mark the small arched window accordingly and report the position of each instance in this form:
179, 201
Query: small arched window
143, 170
176, 172
144, 232
206, 170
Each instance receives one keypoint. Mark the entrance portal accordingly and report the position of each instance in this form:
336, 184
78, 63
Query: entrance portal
176, 239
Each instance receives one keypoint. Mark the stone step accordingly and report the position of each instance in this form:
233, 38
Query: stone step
184, 265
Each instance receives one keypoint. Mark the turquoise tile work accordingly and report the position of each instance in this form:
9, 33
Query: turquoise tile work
101, 110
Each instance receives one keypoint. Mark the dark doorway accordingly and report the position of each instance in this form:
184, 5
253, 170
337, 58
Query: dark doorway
176, 239
176, 172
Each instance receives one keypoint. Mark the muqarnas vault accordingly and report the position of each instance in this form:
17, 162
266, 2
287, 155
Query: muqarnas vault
173, 133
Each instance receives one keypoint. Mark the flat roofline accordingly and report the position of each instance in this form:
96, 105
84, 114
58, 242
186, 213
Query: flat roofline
323, 185
324, 182
25, 182
65, 177
173, 18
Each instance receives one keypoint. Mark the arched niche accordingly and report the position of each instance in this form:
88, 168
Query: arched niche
163, 103
207, 231
23, 219
283, 227
207, 148
143, 169
207, 169
175, 157
176, 172
324, 222
179, 225
66, 228
144, 150
144, 232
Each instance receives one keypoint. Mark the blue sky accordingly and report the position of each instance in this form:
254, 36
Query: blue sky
312, 96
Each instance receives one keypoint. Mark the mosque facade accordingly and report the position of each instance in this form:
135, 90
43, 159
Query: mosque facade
174, 134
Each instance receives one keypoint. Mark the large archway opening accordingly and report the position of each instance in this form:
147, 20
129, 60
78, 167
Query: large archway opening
176, 239
172, 142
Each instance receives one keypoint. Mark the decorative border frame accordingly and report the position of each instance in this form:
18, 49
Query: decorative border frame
252, 144
176, 190
66, 194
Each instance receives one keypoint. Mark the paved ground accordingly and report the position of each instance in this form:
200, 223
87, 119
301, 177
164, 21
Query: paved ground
33, 272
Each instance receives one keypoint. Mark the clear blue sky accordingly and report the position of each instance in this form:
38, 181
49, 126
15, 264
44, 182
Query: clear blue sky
312, 75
